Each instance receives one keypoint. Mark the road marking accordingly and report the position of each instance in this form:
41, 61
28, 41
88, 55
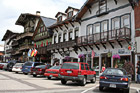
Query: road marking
90, 89
137, 89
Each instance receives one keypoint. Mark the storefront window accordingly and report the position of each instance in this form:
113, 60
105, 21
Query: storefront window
96, 65
122, 61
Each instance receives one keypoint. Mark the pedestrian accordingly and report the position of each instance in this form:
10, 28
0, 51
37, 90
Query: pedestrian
103, 68
138, 72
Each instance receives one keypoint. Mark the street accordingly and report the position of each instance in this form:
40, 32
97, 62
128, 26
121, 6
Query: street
11, 82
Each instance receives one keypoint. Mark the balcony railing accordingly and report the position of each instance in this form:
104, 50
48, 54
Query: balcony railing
9, 50
118, 34
42, 50
65, 44
26, 34
26, 46
40, 37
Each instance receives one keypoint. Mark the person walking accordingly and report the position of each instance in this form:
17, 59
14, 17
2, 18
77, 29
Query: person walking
138, 72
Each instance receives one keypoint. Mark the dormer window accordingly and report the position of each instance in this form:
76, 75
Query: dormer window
59, 19
70, 14
55, 39
102, 7
70, 35
59, 38
64, 36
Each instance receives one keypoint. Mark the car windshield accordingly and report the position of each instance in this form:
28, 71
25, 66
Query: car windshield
18, 64
70, 66
28, 64
55, 67
114, 72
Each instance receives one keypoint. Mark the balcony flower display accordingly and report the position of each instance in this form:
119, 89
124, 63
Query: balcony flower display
116, 56
81, 56
67, 58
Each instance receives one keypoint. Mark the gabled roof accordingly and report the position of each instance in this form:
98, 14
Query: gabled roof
23, 18
60, 13
88, 4
8, 34
69, 7
46, 21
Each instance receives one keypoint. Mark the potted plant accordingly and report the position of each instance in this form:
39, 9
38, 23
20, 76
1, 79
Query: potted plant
81, 56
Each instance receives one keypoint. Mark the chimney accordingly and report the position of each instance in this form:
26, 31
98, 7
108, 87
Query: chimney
38, 13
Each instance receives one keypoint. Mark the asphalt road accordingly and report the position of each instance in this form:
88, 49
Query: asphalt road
11, 82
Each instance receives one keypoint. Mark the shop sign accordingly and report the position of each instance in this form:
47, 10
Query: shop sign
109, 54
121, 51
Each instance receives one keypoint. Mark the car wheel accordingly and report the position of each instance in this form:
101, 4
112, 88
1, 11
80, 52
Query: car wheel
126, 91
34, 75
63, 81
93, 80
49, 77
16, 72
83, 82
101, 88
25, 73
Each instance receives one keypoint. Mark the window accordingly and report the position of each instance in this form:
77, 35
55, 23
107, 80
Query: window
59, 38
82, 67
104, 27
86, 66
97, 28
59, 19
76, 32
116, 23
70, 35
54, 39
64, 37
125, 21
70, 14
89, 30
102, 6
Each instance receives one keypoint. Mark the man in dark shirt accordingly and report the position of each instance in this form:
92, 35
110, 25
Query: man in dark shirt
138, 72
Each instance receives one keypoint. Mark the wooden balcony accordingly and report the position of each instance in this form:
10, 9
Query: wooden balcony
41, 37
119, 34
60, 45
15, 43
9, 50
25, 47
42, 50
23, 35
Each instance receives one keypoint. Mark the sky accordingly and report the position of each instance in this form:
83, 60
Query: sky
10, 10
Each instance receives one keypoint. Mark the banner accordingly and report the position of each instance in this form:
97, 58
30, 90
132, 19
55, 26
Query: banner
29, 52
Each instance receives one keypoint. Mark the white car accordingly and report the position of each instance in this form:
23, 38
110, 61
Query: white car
17, 67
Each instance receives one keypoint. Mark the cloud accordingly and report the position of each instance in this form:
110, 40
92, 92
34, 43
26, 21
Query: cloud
11, 10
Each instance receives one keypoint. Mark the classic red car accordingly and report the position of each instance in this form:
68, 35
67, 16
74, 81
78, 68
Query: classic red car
76, 71
52, 72
39, 70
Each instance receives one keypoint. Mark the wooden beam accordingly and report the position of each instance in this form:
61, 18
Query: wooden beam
128, 41
90, 47
71, 24
97, 46
66, 26
103, 45
60, 27
119, 42
85, 48
115, 2
111, 44
80, 48
56, 30
89, 8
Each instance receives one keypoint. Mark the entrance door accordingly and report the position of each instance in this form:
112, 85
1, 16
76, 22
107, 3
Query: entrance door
106, 60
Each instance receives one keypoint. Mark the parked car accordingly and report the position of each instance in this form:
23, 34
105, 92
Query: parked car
11, 63
52, 72
1, 66
114, 78
26, 68
5, 66
39, 70
17, 67
76, 71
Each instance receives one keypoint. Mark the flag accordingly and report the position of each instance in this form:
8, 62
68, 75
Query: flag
46, 42
93, 54
35, 52
41, 44
32, 53
35, 45
29, 52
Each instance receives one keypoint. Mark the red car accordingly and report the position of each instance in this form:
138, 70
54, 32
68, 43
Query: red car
52, 72
39, 70
76, 71
1, 65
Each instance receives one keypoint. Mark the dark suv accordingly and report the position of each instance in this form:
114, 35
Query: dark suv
76, 71
26, 68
